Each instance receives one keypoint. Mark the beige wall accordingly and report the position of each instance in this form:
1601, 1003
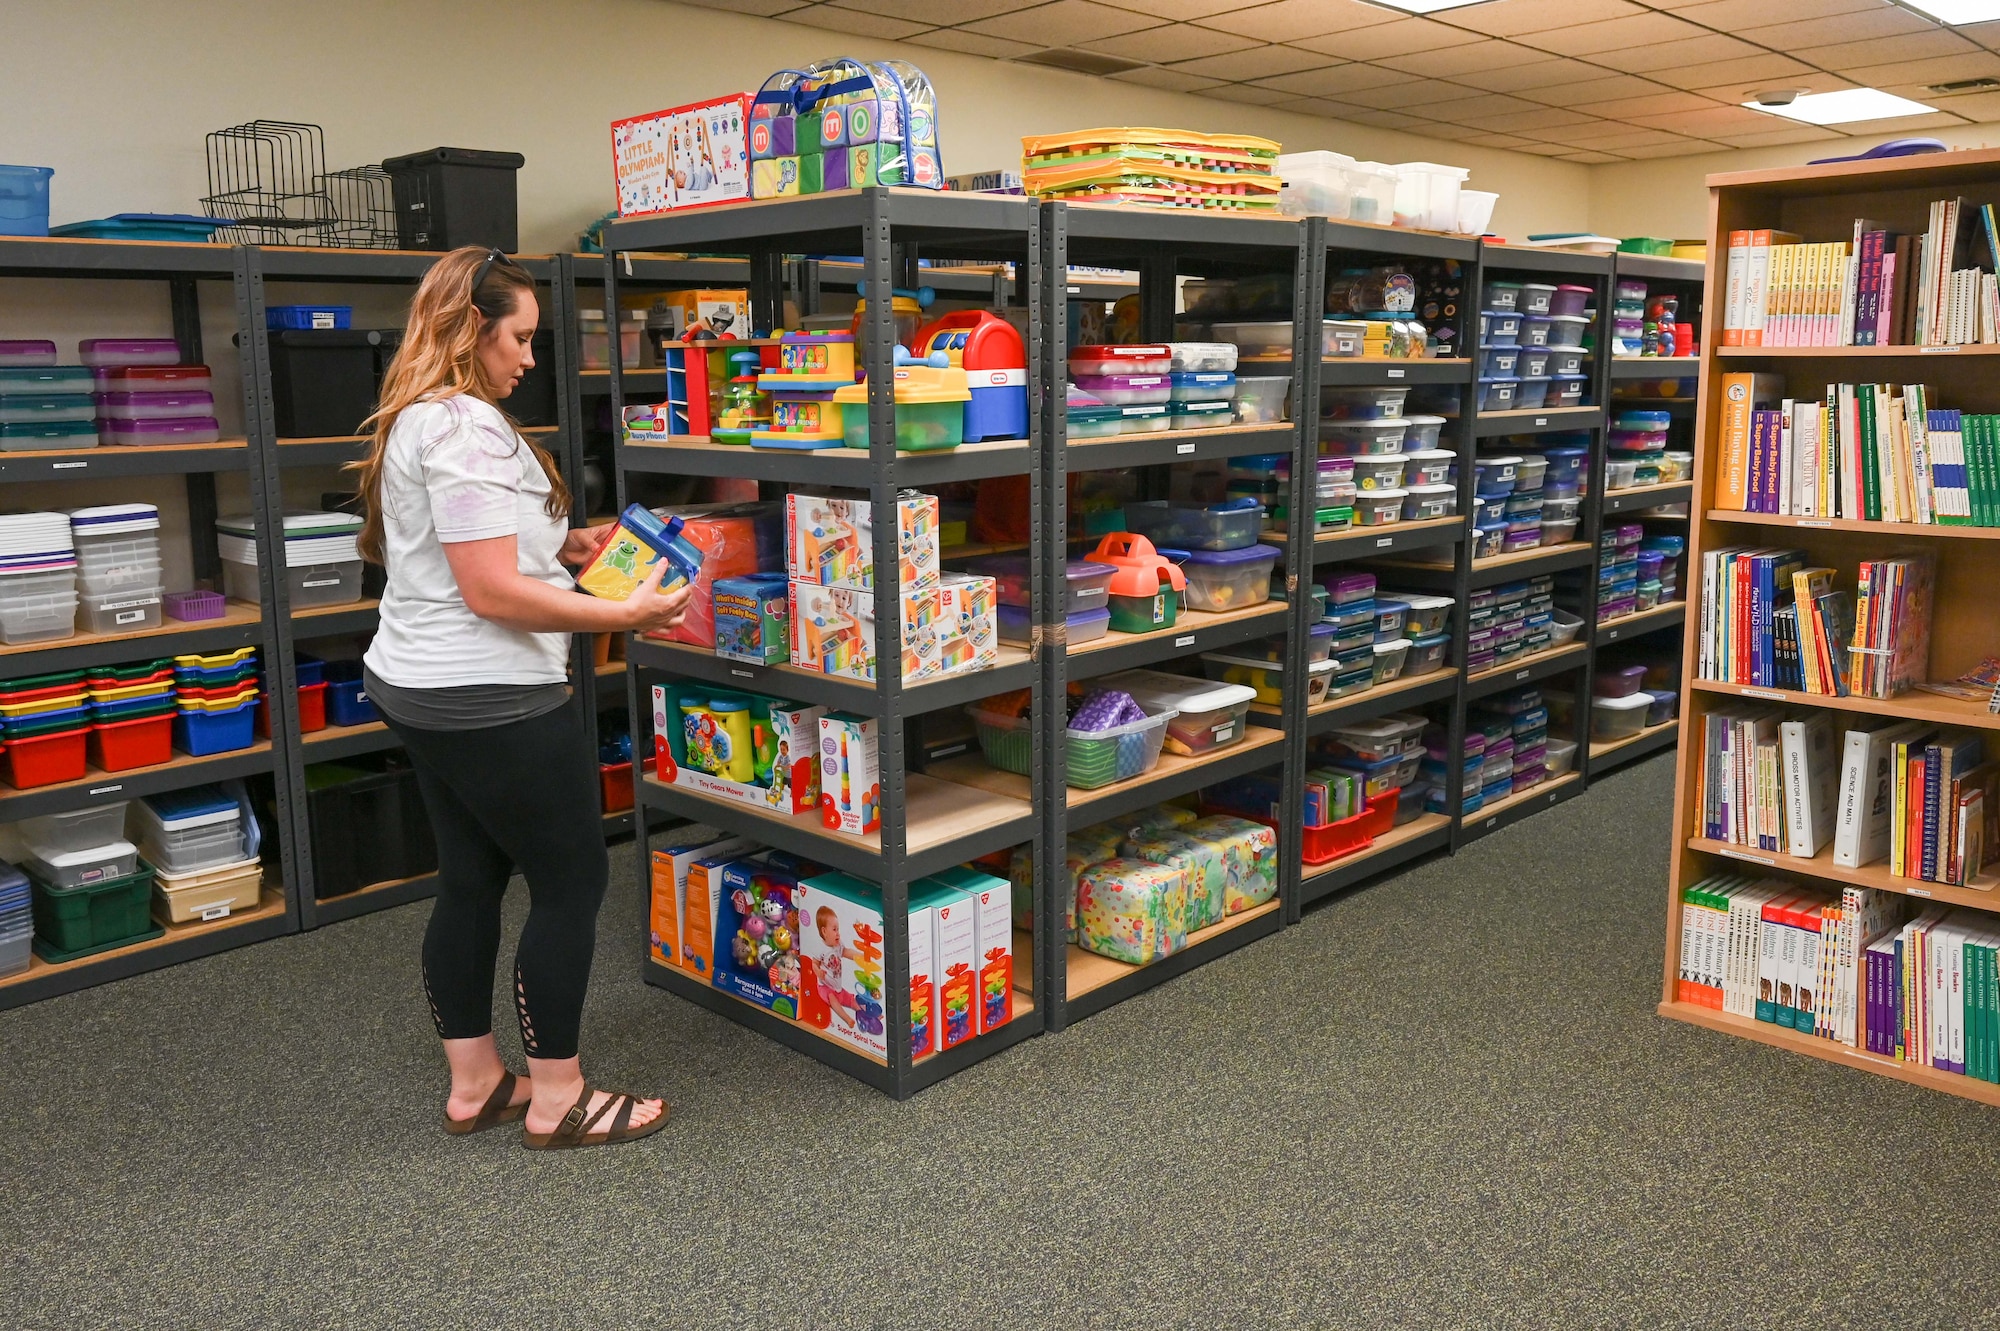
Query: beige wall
1669, 196
117, 96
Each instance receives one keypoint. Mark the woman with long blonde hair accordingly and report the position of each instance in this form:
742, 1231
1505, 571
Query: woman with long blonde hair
468, 667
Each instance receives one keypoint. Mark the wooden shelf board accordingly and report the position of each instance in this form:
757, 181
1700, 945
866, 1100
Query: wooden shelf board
1536, 791
1979, 893
1900, 351
1009, 654
234, 614
125, 450
1188, 621
1577, 649
1599, 748
1529, 414
97, 778
1832, 1051
349, 608
610, 669
1528, 556
1886, 529
1629, 491
288, 440
1644, 619
332, 732
270, 902
700, 443
1086, 971
1422, 825
1374, 693
1360, 534
386, 885
972, 770
1210, 432
937, 811
1913, 706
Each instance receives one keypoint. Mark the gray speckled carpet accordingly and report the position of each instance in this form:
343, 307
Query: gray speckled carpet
1444, 1100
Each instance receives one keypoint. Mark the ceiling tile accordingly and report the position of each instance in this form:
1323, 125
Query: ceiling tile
760, 8
1289, 20
1773, 138
1409, 95
1391, 120
1169, 42
855, 22
1321, 106
1064, 23
1397, 38
1718, 120
1611, 138
1611, 35
1844, 56
1499, 140
1947, 69
1538, 74
1519, 16
1452, 61
1759, 69
1659, 103
1986, 34
1172, 80
1600, 89
1829, 29
1981, 108
1735, 94
1336, 81
1733, 15
1685, 148
1258, 62
1172, 9
1248, 94
1543, 149
1591, 158
1672, 55
1471, 110
931, 14
1522, 121
974, 43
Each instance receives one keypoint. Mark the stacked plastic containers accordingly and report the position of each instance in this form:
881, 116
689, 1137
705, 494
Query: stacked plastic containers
1086, 602
17, 921
1564, 473
1120, 389
145, 396
1510, 621
1618, 570
1507, 489
37, 577
1531, 345
118, 566
322, 558
1215, 548
1628, 318
202, 845
215, 702
131, 714
45, 720
91, 892
43, 405
1637, 449
1398, 472
1202, 384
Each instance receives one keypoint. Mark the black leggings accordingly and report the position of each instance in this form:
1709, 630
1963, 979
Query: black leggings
522, 795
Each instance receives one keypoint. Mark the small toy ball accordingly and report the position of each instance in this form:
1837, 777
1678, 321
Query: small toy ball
781, 938
755, 926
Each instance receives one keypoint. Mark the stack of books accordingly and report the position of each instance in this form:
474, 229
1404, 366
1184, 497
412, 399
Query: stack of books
1770, 619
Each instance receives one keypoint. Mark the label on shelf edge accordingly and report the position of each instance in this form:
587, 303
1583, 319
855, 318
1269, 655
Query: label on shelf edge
67, 466
1736, 854
1185, 640
742, 674
1183, 449
1815, 522
1382, 542
106, 790
1936, 351
1918, 891
1772, 694
1397, 374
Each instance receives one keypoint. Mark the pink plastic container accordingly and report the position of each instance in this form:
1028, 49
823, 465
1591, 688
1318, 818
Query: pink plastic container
175, 430
1127, 390
154, 379
1127, 358
154, 406
27, 351
1570, 299
109, 352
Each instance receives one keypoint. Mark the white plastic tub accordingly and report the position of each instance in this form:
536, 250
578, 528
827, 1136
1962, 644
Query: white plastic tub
1205, 715
1427, 195
1558, 757
1619, 718
319, 584
200, 830
37, 606
1362, 404
1229, 579
1421, 503
127, 610
1389, 659
1363, 438
1203, 357
76, 829
78, 868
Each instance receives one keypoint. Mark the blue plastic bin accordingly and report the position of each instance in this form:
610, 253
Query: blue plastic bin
24, 200
203, 733
309, 669
183, 227
347, 703
308, 317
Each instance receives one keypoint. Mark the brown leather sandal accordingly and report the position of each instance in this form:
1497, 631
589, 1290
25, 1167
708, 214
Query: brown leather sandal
493, 1113
576, 1129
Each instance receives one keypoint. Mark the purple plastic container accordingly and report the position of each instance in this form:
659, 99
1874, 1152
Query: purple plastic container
189, 607
1349, 587
1569, 299
1619, 683
154, 406
122, 351
27, 351
173, 430
1089, 583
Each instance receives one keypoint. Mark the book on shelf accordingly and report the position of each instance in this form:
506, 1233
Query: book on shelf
1981, 685
1873, 288
1892, 625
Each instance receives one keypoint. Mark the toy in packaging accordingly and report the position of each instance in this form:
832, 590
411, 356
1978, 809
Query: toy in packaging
850, 774
1249, 853
833, 630
995, 361
756, 915
701, 906
968, 627
752, 622
689, 312
731, 545
1082, 848
842, 124
841, 960
671, 865
634, 545
1200, 866
831, 540
1130, 910
989, 898
688, 157
756, 751
954, 948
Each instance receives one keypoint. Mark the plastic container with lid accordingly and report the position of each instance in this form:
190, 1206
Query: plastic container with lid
1229, 579
1535, 329
1421, 433
80, 868
123, 352
1266, 677
1490, 508
1390, 658
1362, 403
1564, 362
1374, 474
1488, 539
192, 830
1126, 389
76, 829
1618, 717
168, 405
40, 408
153, 379
1346, 590
1201, 357
154, 432
1565, 463
1565, 332
1559, 531
1422, 503
1231, 525
1498, 362
1498, 394
1379, 508
1379, 740
1200, 386
1502, 295
1122, 359
44, 380
1529, 471
1530, 393
1333, 479
1534, 363
1087, 582
1535, 297
1267, 337
1260, 399
1427, 195
44, 436
1427, 466
1493, 474
125, 610
1200, 415
27, 351
1499, 328
1569, 299
1620, 473
1203, 715
1363, 438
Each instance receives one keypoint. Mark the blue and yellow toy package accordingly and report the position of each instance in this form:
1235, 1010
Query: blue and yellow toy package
752, 621
757, 936
637, 542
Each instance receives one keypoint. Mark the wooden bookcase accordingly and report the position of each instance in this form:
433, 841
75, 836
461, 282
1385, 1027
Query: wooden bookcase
1820, 204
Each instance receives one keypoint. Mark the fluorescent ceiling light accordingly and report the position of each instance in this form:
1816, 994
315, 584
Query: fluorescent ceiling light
1845, 107
1955, 12
1433, 6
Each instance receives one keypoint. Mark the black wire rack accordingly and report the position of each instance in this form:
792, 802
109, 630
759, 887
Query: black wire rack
268, 179
364, 209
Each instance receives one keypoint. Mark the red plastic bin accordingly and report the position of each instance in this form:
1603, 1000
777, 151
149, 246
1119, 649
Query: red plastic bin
615, 782
1357, 833
312, 710
43, 760
119, 746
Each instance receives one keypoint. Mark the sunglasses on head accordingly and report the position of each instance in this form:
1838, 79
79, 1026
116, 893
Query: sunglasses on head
493, 256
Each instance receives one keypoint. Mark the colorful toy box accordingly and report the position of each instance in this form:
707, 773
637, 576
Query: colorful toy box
671, 865
991, 899
833, 630
1082, 848
1249, 854
831, 541
692, 156
995, 361
752, 619
1131, 910
954, 953
841, 961
931, 398
841, 124
733, 541
791, 781
968, 626
629, 551
1199, 863
700, 901
850, 774
757, 929
724, 312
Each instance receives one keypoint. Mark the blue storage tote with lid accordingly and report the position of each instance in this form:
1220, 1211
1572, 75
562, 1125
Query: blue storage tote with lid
24, 200
188, 831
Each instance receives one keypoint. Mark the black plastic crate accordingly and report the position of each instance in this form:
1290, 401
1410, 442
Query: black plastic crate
325, 382
367, 827
448, 197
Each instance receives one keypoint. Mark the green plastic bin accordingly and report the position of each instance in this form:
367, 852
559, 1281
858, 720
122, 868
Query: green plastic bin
73, 921
1145, 614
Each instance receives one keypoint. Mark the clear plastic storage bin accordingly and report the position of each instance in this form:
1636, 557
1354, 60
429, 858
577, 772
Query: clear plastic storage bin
37, 606
1378, 473
96, 864
1261, 400
188, 831
76, 829
1379, 508
145, 433
1361, 404
1220, 580
1427, 195
1223, 527
1205, 715
127, 610
1619, 718
1363, 438
321, 584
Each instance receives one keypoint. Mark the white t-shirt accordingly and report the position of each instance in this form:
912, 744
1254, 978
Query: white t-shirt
455, 470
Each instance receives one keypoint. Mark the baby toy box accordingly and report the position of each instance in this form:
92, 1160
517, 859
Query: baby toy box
671, 864
831, 540
850, 774
689, 157
751, 620
833, 630
757, 936
794, 739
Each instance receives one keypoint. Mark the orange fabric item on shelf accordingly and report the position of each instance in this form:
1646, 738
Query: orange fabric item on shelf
728, 548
